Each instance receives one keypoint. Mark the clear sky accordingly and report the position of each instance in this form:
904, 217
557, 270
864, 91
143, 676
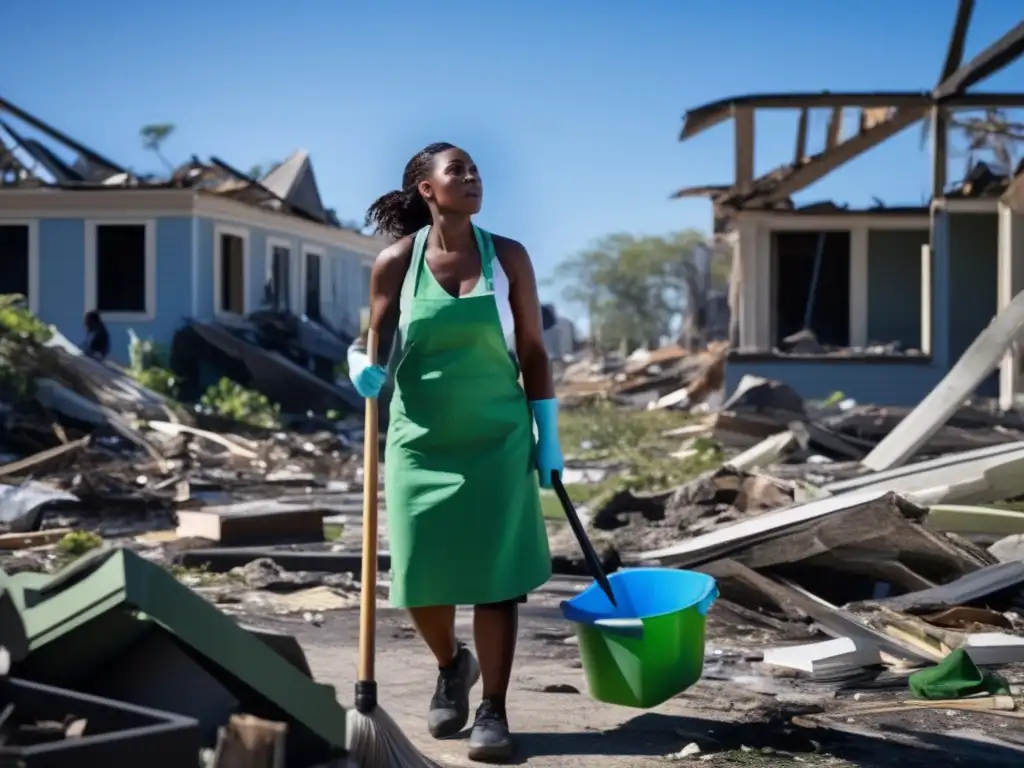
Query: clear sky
572, 108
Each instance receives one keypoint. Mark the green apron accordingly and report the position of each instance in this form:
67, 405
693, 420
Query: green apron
463, 505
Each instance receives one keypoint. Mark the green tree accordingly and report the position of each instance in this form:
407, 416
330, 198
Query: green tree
153, 138
637, 290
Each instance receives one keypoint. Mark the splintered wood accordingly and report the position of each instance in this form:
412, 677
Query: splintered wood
249, 742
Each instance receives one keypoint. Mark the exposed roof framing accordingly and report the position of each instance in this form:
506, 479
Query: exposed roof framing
883, 114
266, 195
706, 116
94, 157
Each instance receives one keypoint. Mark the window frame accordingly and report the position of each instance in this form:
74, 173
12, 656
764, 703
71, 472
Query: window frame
307, 250
33, 258
293, 272
92, 227
243, 233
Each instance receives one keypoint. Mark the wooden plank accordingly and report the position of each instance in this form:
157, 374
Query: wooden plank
800, 154
940, 151
744, 138
249, 742
997, 56
835, 129
709, 546
44, 462
955, 49
980, 359
12, 541
254, 523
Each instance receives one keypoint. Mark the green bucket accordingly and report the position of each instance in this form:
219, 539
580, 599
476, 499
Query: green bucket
651, 646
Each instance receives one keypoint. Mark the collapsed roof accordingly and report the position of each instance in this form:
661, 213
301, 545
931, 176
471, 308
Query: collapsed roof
290, 187
881, 115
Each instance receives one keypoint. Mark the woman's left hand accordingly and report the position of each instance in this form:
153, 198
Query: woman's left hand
549, 458
549, 452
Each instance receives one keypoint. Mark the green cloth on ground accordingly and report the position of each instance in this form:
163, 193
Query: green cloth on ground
956, 677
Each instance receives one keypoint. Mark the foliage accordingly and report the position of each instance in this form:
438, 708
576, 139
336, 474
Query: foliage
990, 135
20, 334
79, 542
231, 400
153, 137
635, 289
636, 442
147, 365
16, 322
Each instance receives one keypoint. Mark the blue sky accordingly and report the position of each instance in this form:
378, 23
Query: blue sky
571, 108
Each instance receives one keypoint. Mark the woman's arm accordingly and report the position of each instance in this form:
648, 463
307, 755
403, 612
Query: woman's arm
525, 305
386, 279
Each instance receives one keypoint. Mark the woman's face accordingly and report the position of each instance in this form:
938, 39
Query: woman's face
455, 183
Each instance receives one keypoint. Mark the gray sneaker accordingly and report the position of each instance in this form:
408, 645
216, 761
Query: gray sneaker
449, 707
490, 741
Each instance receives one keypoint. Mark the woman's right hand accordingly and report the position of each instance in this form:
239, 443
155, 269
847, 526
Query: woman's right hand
369, 380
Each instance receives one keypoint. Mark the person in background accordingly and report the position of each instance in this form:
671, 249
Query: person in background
462, 469
97, 340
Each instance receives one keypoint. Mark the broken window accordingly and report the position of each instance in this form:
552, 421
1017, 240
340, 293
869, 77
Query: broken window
232, 274
280, 277
811, 285
120, 268
14, 259
313, 311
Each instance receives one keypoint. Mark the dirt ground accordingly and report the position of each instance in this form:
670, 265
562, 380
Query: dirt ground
733, 716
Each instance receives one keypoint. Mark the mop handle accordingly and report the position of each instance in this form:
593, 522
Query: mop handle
368, 593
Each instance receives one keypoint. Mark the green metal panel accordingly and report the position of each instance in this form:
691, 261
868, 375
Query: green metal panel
86, 613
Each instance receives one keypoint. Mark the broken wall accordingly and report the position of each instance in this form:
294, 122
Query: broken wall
894, 285
882, 380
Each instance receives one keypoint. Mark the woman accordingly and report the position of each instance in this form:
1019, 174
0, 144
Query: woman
461, 466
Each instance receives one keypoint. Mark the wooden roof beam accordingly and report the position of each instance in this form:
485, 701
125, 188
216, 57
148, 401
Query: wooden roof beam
1001, 53
709, 115
94, 157
800, 153
955, 49
830, 160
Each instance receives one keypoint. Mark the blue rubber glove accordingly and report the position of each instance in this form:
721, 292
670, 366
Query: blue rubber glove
549, 452
367, 379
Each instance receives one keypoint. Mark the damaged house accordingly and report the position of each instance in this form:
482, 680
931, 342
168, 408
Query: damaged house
877, 303
208, 243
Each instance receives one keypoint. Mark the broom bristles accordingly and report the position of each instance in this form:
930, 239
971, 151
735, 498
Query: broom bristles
376, 741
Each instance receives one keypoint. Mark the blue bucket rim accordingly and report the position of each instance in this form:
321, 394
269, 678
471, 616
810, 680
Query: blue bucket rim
703, 603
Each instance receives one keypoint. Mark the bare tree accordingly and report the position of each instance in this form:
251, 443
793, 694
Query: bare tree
153, 137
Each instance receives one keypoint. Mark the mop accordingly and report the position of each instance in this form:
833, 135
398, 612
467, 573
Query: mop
374, 739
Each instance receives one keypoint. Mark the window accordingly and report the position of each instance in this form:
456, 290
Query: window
313, 305
231, 266
278, 291
812, 285
120, 269
16, 261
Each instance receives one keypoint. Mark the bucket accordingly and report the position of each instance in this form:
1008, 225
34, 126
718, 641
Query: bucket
649, 648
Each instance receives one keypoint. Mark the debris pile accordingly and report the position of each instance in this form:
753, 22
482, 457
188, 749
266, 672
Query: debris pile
119, 649
881, 548
670, 377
